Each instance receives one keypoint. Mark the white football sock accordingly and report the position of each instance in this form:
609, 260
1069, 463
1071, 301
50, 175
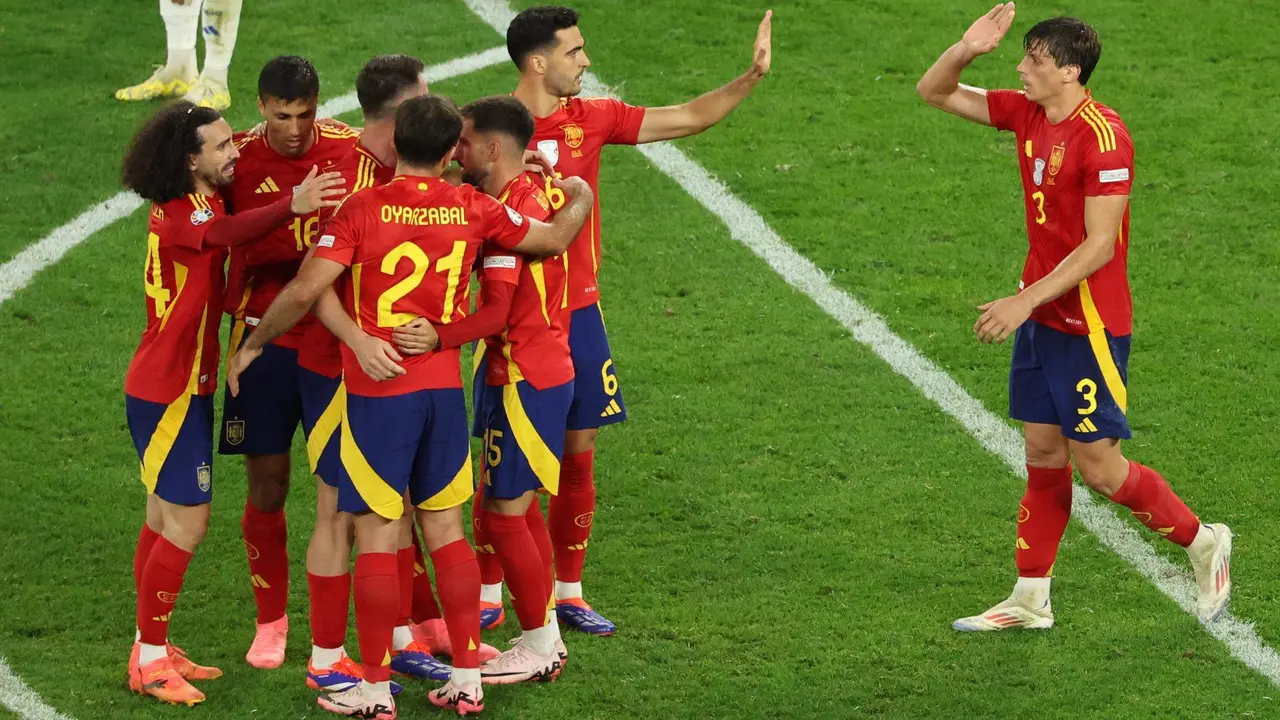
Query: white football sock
491, 593
377, 688
180, 25
1202, 543
541, 640
323, 658
462, 676
151, 653
401, 637
1033, 592
220, 22
565, 590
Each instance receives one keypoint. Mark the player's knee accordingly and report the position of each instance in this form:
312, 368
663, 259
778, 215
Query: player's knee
187, 531
580, 441
1048, 456
440, 527
268, 477
1102, 472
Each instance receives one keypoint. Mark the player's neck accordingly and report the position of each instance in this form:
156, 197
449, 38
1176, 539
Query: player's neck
1060, 106
202, 186
533, 94
404, 168
379, 138
281, 148
500, 176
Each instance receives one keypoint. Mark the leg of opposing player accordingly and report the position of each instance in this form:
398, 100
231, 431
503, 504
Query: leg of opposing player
181, 22
220, 23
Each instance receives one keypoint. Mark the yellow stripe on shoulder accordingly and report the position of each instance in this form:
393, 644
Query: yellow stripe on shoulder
1101, 128
338, 133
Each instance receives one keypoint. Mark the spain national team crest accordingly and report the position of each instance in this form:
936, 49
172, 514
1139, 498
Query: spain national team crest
235, 431
1055, 159
572, 135
204, 478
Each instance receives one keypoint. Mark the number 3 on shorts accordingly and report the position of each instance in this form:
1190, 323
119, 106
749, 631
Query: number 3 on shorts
608, 378
1089, 390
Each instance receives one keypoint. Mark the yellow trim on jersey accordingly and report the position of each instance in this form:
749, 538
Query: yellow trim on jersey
459, 490
180, 278
337, 133
355, 291
541, 459
326, 425
1101, 128
477, 357
540, 282
591, 223
513, 369
1102, 349
375, 491
166, 432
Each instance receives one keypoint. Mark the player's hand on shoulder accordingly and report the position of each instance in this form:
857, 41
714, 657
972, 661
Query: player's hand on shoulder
1001, 318
318, 191
415, 337
377, 358
985, 34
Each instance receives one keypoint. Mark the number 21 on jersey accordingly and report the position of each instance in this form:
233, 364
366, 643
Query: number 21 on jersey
450, 265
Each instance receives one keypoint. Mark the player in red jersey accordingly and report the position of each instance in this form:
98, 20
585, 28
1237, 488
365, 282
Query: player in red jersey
1071, 317
522, 405
178, 160
409, 246
261, 422
548, 48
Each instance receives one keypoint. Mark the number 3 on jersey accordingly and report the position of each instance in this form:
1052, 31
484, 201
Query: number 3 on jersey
1038, 197
450, 264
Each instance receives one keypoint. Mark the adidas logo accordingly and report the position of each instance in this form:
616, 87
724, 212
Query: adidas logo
258, 582
1086, 426
612, 410
267, 186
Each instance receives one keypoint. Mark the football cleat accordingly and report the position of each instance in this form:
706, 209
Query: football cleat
360, 701
209, 93
178, 661
491, 615
578, 615
342, 676
1008, 615
159, 680
434, 635
521, 663
161, 84
465, 699
267, 650
415, 660
1213, 573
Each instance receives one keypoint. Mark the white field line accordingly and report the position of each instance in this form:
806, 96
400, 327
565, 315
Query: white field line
18, 272
998, 437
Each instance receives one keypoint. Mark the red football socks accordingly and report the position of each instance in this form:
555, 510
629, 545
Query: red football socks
330, 598
1042, 518
146, 540
404, 564
377, 590
1155, 505
522, 565
266, 544
571, 512
458, 585
490, 568
424, 597
538, 529
161, 583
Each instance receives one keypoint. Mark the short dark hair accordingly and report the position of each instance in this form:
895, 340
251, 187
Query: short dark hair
502, 114
1069, 41
427, 128
535, 29
155, 165
382, 79
288, 78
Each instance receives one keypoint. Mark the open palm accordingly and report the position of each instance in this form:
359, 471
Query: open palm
985, 33
762, 54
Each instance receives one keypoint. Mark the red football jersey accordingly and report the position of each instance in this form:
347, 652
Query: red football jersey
261, 270
1088, 154
320, 351
535, 344
410, 246
183, 283
572, 138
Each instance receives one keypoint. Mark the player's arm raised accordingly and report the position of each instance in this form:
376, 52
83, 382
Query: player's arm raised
941, 87
553, 238
691, 118
1103, 216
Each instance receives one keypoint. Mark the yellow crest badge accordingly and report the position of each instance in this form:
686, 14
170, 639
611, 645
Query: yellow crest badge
235, 431
572, 135
1055, 159
204, 478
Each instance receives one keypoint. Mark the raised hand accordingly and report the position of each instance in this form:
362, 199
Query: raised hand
985, 33
762, 54
318, 191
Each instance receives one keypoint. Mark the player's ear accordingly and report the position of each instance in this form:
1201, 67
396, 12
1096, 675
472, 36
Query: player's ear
538, 63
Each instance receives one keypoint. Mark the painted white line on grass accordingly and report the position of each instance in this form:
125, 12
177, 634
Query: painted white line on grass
749, 228
18, 272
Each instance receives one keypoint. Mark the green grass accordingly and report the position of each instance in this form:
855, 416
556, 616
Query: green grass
785, 527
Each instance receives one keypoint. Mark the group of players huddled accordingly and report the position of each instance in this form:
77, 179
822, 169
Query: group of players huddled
344, 258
